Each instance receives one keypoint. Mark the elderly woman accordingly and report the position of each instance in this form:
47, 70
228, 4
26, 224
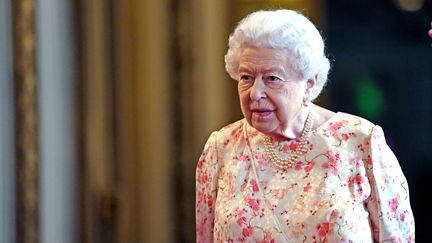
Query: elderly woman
292, 171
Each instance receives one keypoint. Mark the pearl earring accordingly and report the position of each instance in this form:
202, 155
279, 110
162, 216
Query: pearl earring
305, 101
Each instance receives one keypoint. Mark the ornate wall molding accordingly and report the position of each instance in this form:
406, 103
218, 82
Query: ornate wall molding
24, 75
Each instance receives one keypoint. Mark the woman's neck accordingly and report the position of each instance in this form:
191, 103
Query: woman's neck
296, 126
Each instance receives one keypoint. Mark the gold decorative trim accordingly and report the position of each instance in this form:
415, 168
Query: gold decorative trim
24, 65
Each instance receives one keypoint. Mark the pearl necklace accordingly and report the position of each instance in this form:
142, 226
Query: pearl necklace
285, 163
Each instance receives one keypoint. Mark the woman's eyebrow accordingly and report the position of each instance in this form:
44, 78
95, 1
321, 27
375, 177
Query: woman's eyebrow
244, 69
279, 70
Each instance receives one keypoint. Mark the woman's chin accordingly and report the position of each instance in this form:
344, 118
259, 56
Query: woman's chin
265, 127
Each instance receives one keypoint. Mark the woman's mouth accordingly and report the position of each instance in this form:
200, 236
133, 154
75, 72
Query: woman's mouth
262, 113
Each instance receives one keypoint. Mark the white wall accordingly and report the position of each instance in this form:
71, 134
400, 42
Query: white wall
57, 179
7, 195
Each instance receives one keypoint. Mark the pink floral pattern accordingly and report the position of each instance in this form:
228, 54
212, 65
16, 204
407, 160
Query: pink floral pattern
348, 187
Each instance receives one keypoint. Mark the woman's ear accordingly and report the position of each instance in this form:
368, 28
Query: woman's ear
310, 84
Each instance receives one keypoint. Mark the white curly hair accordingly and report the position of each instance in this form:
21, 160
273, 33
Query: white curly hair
281, 29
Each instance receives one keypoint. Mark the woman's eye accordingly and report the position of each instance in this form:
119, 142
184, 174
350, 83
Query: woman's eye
245, 78
274, 78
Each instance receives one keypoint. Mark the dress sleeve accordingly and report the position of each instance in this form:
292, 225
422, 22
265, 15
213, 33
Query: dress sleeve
389, 205
206, 188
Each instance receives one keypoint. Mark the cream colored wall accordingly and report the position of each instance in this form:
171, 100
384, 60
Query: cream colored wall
146, 74
209, 95
143, 79
154, 155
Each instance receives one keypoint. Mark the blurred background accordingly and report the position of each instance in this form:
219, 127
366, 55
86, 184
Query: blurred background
105, 106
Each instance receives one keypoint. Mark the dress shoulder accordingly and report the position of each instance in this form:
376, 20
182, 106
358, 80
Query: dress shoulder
231, 129
233, 126
353, 123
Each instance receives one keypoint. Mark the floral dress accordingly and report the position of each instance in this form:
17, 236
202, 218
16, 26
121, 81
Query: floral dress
347, 187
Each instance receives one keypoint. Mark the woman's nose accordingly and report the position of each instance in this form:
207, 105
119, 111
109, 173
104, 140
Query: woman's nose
257, 91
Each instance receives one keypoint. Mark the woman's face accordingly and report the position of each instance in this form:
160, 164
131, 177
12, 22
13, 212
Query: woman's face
271, 94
